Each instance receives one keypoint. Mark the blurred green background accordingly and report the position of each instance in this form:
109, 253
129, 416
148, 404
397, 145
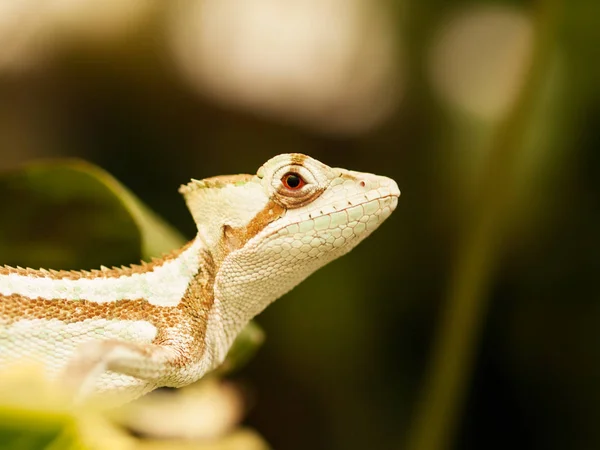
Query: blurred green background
470, 319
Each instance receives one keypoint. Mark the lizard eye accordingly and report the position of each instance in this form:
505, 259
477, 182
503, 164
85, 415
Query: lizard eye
295, 185
293, 181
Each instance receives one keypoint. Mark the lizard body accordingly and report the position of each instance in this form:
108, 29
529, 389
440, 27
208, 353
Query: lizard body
124, 332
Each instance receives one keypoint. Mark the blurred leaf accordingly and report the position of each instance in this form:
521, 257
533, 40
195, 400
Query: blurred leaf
158, 237
34, 416
73, 215
32, 412
241, 439
206, 410
28, 429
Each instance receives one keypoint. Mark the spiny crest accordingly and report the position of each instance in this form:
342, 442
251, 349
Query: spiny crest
215, 183
101, 272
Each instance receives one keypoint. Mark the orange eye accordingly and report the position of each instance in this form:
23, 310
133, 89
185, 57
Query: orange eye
293, 181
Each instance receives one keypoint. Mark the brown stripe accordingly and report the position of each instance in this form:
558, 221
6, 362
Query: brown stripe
183, 326
18, 307
298, 158
236, 238
114, 272
349, 176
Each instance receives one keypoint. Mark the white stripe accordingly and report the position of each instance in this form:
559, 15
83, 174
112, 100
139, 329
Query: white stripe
53, 342
164, 286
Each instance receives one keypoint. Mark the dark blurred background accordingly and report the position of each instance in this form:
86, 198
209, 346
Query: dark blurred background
471, 318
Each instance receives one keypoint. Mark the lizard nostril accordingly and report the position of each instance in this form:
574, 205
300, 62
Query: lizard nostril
362, 183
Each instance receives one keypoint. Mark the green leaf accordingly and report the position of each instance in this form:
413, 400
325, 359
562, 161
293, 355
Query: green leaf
22, 429
16, 431
72, 215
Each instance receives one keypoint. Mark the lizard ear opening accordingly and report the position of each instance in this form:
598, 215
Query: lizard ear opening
231, 238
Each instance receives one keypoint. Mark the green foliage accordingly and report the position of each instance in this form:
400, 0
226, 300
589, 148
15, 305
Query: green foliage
27, 429
71, 214
65, 216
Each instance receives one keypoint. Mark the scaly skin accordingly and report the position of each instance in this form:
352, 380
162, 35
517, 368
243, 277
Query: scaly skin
124, 332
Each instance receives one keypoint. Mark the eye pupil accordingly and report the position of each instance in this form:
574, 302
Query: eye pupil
293, 181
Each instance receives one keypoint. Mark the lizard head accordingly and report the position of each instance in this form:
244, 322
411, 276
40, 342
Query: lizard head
271, 230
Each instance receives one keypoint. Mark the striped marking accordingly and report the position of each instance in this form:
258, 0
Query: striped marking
160, 284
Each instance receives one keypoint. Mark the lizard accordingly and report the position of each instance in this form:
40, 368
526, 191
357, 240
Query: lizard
123, 332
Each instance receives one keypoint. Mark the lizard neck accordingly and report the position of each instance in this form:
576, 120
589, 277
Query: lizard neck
243, 288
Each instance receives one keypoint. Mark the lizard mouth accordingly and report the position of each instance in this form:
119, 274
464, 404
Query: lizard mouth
335, 223
370, 204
